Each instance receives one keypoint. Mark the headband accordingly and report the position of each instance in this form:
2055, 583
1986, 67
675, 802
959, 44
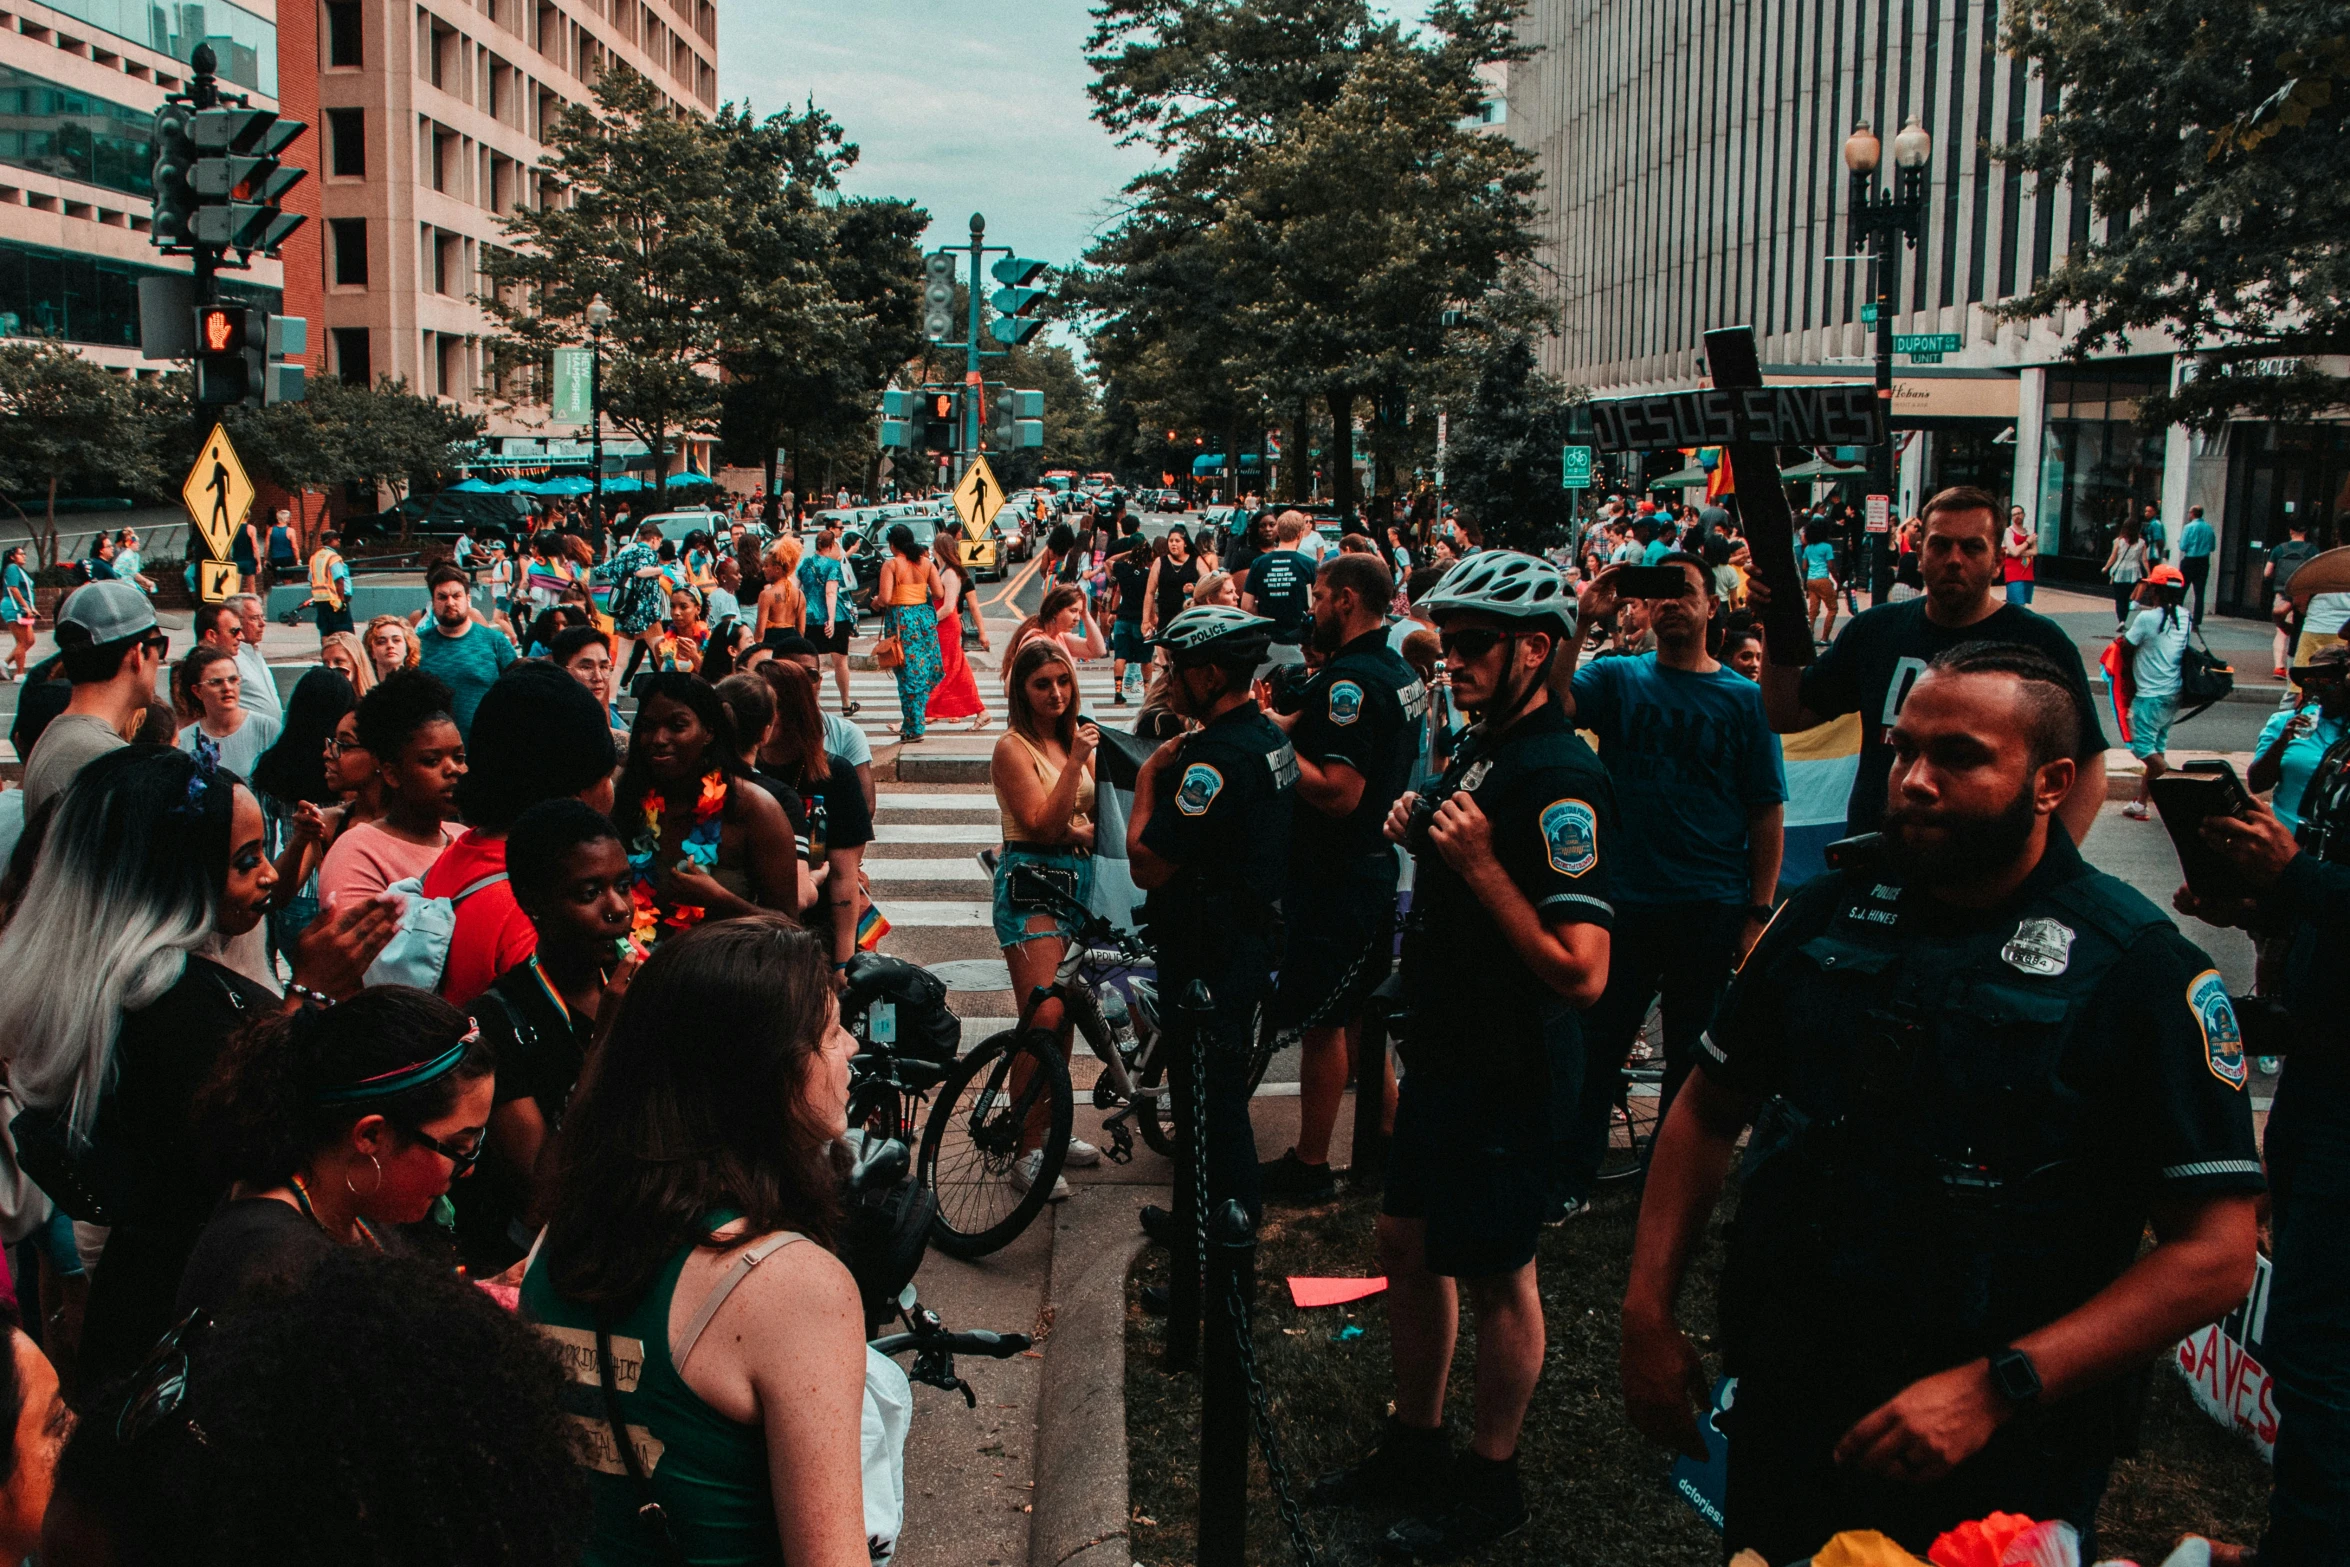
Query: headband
400, 1080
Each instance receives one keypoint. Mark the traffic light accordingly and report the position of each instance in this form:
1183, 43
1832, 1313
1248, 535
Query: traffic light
897, 417
938, 296
284, 377
1015, 303
238, 181
941, 420
173, 154
232, 355
1014, 418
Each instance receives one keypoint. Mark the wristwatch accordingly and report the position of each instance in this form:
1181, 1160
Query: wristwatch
2014, 1375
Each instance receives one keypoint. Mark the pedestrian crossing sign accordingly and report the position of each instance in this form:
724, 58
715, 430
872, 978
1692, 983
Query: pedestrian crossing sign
218, 495
978, 498
215, 580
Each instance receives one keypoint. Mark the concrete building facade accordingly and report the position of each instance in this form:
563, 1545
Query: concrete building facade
1692, 156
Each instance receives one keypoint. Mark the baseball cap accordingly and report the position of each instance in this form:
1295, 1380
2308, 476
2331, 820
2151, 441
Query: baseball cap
101, 612
2167, 576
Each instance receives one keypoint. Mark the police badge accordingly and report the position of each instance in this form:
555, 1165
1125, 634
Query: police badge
2040, 946
1570, 836
1346, 702
1201, 784
2223, 1037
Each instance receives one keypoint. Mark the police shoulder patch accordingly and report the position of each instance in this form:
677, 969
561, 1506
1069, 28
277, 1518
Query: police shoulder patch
2215, 1016
1201, 784
1346, 702
1570, 836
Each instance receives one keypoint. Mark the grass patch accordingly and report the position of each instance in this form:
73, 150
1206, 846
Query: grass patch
1597, 1489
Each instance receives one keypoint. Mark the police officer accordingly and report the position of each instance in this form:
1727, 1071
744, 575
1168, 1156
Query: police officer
1209, 841
1981, 1068
1353, 727
1508, 935
2302, 882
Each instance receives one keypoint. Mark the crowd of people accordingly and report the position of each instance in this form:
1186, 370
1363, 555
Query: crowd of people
440, 1042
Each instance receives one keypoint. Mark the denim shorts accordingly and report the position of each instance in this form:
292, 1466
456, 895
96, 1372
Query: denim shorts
2150, 721
1011, 921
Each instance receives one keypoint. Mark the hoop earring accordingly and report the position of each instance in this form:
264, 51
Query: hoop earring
372, 1190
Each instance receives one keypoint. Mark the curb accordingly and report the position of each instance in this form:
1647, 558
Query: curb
1082, 1506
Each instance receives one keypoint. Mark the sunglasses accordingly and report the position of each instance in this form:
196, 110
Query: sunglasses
463, 1158
1471, 642
160, 1386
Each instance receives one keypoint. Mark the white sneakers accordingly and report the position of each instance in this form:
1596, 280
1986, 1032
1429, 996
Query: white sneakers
1082, 1155
1024, 1176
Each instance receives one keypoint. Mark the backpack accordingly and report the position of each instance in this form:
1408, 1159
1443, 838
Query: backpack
2203, 679
419, 949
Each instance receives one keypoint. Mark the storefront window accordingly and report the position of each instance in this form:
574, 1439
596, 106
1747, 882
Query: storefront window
59, 131
2096, 465
2280, 478
245, 44
85, 299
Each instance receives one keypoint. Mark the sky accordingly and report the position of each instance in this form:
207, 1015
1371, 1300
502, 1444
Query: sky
961, 107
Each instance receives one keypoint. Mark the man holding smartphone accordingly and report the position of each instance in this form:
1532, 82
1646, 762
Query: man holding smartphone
1976, 1069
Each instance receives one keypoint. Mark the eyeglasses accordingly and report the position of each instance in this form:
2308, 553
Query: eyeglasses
223, 683
463, 1158
1471, 642
160, 1386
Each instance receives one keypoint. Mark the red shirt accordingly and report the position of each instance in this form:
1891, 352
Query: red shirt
493, 934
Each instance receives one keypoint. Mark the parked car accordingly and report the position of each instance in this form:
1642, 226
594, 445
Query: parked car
443, 516
676, 526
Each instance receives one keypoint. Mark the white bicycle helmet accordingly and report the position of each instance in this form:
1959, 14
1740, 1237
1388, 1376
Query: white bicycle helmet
1506, 585
1215, 634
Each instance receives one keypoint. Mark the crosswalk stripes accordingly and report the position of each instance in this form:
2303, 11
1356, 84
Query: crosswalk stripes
965, 868
938, 832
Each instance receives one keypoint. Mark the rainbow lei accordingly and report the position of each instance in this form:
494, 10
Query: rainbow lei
700, 846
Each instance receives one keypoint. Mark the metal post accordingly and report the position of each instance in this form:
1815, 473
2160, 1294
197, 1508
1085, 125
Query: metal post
204, 93
1884, 265
596, 433
1187, 1076
1224, 1395
974, 379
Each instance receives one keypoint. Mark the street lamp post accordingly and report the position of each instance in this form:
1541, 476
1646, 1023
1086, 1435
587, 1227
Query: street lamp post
599, 316
1878, 222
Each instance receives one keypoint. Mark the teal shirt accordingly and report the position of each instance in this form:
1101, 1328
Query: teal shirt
2197, 539
708, 1472
470, 665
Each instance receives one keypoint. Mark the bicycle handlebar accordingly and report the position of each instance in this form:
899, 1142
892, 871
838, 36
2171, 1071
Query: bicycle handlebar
995, 1346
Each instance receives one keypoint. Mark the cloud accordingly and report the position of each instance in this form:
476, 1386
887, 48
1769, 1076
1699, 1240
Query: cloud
959, 107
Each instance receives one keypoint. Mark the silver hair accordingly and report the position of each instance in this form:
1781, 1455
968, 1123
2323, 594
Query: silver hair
238, 601
92, 938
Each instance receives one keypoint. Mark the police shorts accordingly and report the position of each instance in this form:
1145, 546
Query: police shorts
1338, 944
1126, 642
1470, 1159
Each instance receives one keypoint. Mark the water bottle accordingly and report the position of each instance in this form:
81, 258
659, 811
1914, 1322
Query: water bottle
1115, 1013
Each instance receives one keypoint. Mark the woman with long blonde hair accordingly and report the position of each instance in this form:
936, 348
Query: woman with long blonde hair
341, 650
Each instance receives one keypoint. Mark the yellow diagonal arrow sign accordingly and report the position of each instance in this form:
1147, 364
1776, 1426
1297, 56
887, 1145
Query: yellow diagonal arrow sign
978, 498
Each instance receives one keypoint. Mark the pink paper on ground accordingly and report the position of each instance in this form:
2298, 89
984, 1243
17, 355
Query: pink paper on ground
1332, 1292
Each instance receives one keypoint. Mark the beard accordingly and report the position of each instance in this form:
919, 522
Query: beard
1328, 635
1964, 846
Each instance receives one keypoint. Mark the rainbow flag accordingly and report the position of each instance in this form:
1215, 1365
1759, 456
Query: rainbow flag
871, 927
1821, 766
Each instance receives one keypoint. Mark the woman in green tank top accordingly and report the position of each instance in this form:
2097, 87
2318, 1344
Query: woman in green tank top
683, 1278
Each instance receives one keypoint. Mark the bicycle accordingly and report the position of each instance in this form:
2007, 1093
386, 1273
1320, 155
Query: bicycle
1107, 986
970, 1140
1633, 1118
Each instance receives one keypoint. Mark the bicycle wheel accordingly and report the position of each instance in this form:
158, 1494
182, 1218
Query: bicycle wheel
1264, 1040
1631, 1125
972, 1141
1157, 1117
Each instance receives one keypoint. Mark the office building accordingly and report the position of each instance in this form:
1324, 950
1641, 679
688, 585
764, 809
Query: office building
1693, 173
80, 81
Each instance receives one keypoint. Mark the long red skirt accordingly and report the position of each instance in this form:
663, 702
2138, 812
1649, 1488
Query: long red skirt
957, 694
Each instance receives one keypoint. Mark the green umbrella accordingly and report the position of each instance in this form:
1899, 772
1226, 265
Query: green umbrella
1821, 468
1691, 475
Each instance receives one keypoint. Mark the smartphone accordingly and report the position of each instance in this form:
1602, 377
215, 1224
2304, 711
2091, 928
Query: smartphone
2189, 797
1652, 582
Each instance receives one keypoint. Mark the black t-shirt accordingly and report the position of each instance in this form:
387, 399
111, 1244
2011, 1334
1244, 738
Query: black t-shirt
539, 1047
1175, 585
1282, 583
1132, 580
1361, 708
1870, 668
1222, 817
833, 813
1476, 1008
2286, 559
258, 1247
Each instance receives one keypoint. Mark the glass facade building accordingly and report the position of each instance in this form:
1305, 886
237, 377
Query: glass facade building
245, 44
57, 130
79, 298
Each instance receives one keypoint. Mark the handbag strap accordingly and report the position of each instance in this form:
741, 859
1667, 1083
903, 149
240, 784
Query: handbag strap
649, 1509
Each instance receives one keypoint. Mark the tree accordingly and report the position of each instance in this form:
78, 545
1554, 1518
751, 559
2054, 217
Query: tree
67, 421
633, 207
2219, 139
1503, 465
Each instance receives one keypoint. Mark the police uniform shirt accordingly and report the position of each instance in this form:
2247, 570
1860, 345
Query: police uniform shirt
1475, 1005
1361, 709
1977, 1107
1222, 817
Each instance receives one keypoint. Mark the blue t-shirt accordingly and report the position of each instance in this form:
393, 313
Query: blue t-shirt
2295, 767
13, 581
1691, 755
1656, 550
469, 664
1819, 562
816, 571
2197, 539
2160, 636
